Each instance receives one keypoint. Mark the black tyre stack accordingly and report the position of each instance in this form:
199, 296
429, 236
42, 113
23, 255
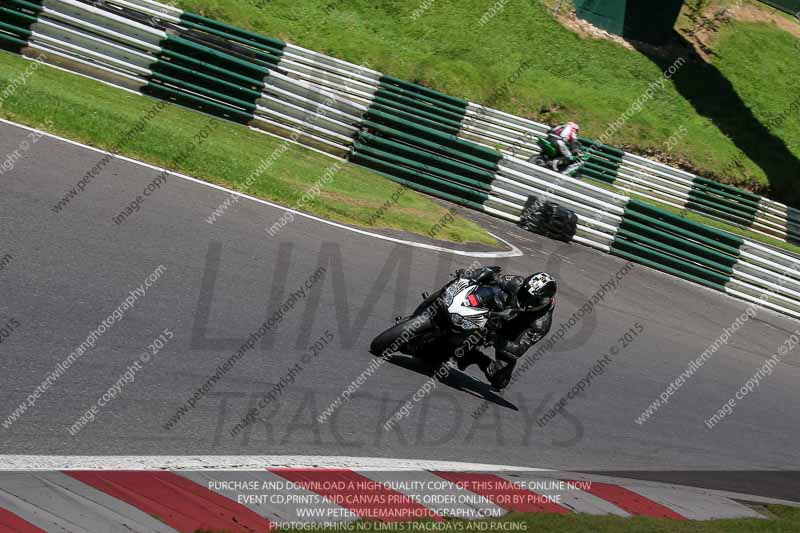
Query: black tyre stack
548, 219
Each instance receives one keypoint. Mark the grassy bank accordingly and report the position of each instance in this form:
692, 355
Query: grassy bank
782, 519
721, 105
761, 63
99, 115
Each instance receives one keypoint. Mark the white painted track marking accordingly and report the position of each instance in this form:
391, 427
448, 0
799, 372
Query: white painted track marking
236, 462
513, 252
575, 499
468, 505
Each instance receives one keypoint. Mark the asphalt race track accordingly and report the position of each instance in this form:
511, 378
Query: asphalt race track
68, 271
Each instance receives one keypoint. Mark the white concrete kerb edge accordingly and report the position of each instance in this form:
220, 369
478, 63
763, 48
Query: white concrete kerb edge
513, 252
238, 462
29, 463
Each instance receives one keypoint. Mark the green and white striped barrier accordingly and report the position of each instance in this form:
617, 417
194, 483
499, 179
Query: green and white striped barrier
658, 182
429, 141
123, 52
516, 136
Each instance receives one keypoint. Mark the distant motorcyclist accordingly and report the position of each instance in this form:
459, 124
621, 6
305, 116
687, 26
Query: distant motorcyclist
525, 306
565, 138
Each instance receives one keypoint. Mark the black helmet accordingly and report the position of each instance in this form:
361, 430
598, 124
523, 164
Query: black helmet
536, 291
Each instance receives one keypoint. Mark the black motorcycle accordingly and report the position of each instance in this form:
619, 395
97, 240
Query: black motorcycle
448, 322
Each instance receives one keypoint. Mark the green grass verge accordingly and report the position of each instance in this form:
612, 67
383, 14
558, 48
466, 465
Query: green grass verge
782, 519
749, 55
567, 77
99, 115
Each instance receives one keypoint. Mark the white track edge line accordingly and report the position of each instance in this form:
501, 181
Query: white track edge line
514, 252
237, 462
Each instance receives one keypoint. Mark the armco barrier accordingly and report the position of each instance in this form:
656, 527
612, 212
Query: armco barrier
511, 135
426, 140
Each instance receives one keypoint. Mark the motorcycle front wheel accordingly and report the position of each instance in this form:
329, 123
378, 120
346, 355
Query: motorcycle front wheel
400, 335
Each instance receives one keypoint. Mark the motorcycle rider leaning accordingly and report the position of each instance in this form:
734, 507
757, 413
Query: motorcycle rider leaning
526, 311
565, 138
